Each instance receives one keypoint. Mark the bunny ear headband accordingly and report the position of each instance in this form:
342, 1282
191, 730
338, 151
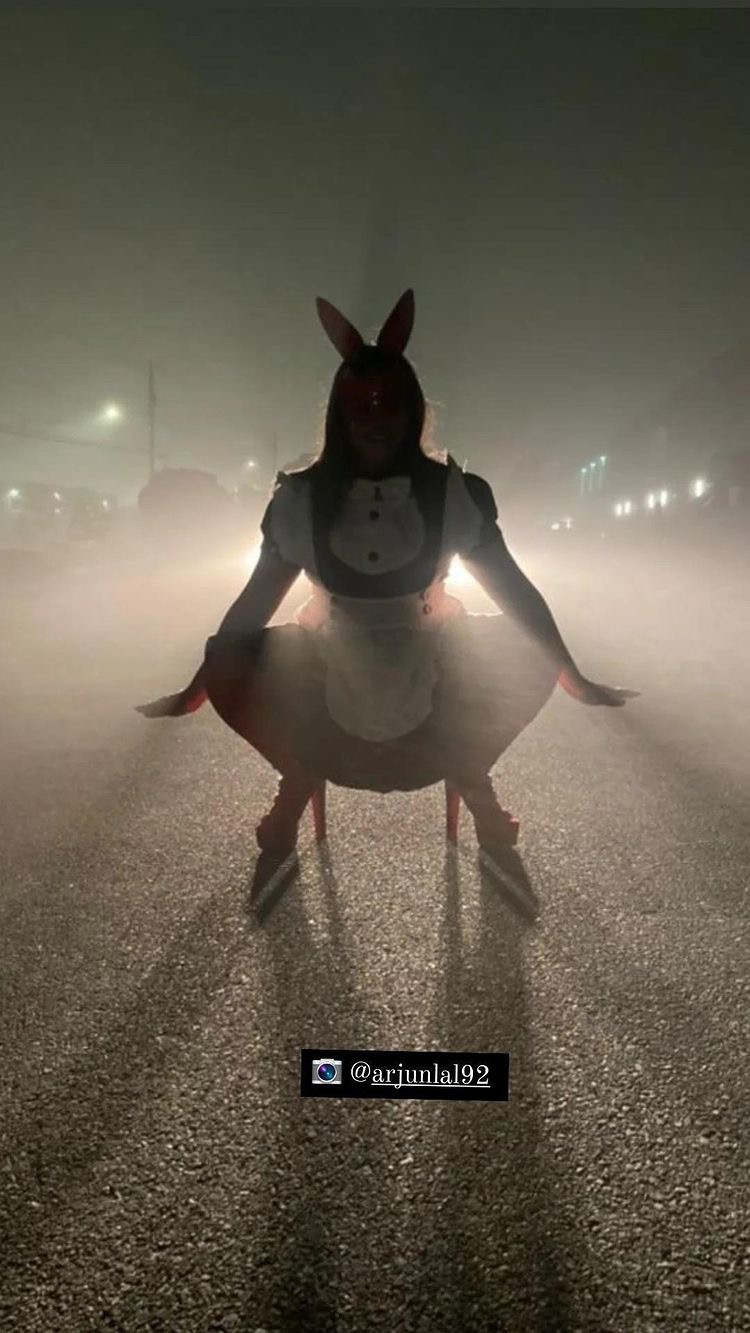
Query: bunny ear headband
393, 336
386, 385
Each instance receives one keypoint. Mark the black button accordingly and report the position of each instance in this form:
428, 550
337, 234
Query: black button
372, 555
374, 513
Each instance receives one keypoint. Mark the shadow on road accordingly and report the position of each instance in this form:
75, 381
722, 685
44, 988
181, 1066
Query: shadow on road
472, 1237
62, 1128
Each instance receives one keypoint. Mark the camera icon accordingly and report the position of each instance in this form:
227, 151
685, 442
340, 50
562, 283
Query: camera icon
326, 1071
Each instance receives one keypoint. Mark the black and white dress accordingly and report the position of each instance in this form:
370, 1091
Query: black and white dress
384, 681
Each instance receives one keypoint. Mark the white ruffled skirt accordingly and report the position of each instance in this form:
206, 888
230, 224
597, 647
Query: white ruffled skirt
486, 680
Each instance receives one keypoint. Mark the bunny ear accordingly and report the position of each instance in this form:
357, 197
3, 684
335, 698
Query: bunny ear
342, 334
396, 331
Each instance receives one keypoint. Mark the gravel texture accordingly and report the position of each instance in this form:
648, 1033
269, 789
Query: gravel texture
160, 1170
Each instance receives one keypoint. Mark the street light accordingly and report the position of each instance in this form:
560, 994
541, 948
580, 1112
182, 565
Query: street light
112, 412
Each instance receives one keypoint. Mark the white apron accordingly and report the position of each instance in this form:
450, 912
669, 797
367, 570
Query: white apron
381, 657
381, 654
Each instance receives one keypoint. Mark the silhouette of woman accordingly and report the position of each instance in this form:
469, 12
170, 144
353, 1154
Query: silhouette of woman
384, 682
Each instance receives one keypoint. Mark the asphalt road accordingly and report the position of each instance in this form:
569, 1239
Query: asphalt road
160, 1170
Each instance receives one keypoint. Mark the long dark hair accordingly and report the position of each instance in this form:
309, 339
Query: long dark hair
334, 467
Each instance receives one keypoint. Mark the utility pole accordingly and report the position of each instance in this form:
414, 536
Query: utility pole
274, 455
151, 420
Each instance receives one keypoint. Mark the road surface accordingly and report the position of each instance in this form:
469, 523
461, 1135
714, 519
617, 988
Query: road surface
160, 1170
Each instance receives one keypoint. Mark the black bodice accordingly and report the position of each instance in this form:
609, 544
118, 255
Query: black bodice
340, 580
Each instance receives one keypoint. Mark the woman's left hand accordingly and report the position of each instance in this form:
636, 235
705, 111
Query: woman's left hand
588, 692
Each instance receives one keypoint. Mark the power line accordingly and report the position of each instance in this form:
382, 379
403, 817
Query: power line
38, 438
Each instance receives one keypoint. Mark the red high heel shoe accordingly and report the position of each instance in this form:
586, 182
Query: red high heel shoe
277, 831
498, 829
495, 827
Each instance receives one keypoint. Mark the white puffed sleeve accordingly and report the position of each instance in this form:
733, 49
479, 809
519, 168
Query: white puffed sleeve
470, 513
483, 532
286, 525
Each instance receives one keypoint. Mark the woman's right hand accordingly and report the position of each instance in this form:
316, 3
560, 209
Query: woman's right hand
172, 705
167, 706
177, 705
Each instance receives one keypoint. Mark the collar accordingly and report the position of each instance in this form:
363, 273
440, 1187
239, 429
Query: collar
385, 488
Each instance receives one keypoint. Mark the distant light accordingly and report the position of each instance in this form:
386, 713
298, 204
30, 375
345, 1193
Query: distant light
584, 469
627, 507
457, 573
555, 527
252, 557
250, 462
13, 494
619, 510
57, 495
603, 458
112, 412
58, 510
568, 522
105, 504
698, 487
651, 500
663, 498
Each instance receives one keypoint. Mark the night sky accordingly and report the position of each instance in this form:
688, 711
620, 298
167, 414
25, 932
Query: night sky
566, 190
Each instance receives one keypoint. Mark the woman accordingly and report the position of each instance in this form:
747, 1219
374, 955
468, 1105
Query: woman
384, 682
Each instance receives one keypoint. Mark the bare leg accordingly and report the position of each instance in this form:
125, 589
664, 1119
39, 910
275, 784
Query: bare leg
243, 706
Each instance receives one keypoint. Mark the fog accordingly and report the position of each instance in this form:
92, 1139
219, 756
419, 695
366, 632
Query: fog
84, 642
566, 193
